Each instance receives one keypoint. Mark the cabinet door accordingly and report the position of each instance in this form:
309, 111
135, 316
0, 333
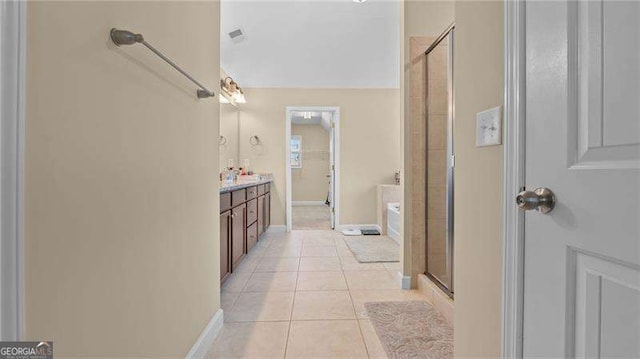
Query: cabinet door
238, 232
260, 215
267, 211
225, 237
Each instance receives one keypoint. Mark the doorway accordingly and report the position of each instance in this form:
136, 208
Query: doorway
312, 168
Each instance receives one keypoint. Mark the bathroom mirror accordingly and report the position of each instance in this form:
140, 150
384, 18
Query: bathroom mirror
229, 136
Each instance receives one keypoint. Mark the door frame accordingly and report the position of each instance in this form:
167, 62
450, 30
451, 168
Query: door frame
514, 178
336, 141
13, 33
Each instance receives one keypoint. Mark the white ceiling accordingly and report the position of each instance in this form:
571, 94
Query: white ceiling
322, 43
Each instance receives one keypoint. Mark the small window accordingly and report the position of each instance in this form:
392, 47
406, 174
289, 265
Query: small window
296, 151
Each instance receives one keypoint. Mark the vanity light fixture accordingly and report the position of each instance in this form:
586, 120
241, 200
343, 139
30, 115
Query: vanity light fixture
232, 89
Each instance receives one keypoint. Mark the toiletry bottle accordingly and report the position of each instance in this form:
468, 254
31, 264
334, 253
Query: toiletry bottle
230, 175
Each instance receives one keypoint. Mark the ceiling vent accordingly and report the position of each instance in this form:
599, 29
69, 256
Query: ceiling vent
237, 35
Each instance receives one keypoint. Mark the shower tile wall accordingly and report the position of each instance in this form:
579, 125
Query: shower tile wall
437, 115
429, 141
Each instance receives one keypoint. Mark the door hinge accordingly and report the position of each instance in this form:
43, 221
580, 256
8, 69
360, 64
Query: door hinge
333, 167
453, 161
333, 210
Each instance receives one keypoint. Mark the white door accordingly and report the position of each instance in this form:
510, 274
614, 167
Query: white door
582, 260
332, 172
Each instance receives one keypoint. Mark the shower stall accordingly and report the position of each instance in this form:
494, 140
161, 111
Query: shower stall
440, 115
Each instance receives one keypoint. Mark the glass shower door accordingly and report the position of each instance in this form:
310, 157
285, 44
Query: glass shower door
440, 161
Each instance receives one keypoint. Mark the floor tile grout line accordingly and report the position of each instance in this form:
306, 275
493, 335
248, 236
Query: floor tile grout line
293, 303
353, 305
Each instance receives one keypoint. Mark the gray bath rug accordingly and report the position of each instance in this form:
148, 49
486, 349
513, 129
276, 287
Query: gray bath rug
411, 330
369, 249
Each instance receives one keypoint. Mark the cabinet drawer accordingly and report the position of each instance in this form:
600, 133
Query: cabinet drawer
267, 188
225, 202
252, 236
238, 197
252, 192
260, 190
252, 211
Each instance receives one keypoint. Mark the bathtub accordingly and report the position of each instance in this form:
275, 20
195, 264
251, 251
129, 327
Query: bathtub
393, 221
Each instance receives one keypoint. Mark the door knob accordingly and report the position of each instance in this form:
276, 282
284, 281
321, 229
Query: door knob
540, 199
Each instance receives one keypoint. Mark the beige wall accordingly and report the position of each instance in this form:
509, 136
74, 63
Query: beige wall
369, 130
423, 20
310, 183
478, 247
121, 207
230, 129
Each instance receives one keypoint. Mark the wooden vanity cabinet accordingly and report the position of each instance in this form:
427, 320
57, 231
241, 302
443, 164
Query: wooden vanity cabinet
244, 215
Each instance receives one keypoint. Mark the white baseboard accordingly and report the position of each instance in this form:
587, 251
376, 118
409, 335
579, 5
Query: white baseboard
395, 235
277, 229
342, 227
404, 280
205, 341
308, 203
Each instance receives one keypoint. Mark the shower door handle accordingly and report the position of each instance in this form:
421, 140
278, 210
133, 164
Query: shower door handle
541, 199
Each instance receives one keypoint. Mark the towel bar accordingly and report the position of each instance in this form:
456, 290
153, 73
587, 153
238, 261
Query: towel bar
124, 37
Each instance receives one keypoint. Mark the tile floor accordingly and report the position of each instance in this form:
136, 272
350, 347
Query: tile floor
302, 295
311, 217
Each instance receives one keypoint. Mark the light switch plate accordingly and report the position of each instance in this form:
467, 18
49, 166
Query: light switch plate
489, 127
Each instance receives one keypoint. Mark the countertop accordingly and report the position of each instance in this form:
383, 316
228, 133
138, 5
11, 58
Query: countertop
244, 182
